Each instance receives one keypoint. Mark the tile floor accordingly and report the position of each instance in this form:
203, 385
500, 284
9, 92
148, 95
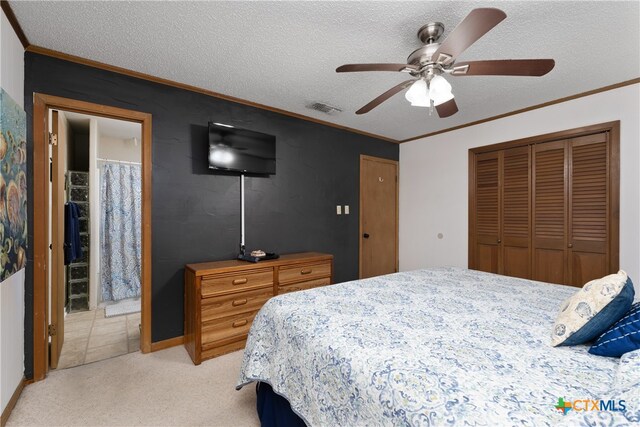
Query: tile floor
89, 337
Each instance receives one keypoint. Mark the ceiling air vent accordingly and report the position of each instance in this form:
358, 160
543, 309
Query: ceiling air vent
324, 108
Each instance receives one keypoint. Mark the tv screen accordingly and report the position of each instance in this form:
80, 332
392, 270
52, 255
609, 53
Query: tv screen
241, 150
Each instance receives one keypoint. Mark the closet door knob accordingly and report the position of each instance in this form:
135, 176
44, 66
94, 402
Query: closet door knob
570, 245
499, 241
365, 235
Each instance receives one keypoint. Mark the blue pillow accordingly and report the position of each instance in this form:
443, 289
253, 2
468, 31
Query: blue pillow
593, 309
622, 337
605, 318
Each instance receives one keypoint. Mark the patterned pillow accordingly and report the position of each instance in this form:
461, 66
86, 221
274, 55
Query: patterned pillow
622, 337
593, 309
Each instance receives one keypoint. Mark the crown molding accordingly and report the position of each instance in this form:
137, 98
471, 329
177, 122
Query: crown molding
115, 69
533, 107
6, 8
120, 70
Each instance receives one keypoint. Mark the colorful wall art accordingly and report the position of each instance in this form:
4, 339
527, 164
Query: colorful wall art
13, 186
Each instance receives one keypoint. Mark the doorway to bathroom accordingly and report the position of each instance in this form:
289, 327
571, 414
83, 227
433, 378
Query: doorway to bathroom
95, 223
98, 181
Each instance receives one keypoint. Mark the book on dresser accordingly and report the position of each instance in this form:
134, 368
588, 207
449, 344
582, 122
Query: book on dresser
221, 298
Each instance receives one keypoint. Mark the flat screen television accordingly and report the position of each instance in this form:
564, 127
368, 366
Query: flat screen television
241, 150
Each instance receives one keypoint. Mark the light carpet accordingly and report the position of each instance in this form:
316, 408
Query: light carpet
157, 389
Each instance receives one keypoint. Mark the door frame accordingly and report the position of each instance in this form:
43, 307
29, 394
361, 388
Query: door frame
614, 181
57, 275
42, 103
363, 158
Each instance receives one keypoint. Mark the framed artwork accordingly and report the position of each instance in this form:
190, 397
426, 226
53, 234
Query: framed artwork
13, 186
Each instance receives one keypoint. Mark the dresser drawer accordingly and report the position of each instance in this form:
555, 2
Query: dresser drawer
216, 284
300, 286
231, 304
226, 329
304, 272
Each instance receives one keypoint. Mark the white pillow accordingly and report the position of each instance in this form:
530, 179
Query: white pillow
594, 308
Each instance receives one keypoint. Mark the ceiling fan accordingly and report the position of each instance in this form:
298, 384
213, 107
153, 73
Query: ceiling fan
428, 64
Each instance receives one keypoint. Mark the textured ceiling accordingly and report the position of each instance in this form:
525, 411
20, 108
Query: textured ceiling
283, 54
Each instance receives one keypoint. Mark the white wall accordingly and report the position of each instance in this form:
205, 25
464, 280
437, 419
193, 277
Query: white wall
119, 149
12, 289
434, 177
94, 215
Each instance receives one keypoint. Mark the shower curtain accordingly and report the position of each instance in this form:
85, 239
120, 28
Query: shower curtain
121, 231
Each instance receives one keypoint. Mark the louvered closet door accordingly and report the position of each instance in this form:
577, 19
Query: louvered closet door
549, 182
516, 255
487, 211
588, 209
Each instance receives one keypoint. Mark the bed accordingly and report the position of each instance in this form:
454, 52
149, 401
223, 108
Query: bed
444, 346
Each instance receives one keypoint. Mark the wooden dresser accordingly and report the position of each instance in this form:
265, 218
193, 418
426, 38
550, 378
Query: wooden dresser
222, 298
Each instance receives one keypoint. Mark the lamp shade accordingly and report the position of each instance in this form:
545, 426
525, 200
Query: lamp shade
418, 94
440, 90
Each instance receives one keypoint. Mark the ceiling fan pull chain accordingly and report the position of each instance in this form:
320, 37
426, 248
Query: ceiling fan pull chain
430, 100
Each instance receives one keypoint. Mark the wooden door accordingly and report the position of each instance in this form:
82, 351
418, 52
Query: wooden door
58, 170
378, 216
487, 212
549, 186
551, 203
515, 259
589, 209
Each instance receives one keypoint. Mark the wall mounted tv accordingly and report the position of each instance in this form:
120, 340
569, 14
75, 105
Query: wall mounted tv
241, 150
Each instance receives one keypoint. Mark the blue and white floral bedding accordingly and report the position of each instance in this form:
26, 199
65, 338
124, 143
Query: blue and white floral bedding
430, 347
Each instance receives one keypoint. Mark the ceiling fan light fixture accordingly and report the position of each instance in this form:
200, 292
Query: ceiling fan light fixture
440, 90
441, 98
421, 103
439, 84
428, 63
418, 94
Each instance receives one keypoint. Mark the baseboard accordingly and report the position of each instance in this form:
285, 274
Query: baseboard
12, 402
171, 342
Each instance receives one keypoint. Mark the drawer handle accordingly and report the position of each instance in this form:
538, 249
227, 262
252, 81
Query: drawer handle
239, 302
307, 271
239, 323
240, 281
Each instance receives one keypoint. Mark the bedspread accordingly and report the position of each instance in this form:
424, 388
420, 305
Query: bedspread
440, 346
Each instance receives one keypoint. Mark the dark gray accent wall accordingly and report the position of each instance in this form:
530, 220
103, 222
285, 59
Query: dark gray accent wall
196, 213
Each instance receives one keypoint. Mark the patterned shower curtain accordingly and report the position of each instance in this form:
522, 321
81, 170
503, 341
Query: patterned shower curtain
121, 231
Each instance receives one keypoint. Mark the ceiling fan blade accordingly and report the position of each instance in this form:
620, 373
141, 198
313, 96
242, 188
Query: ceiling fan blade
350, 68
504, 67
477, 23
388, 94
447, 109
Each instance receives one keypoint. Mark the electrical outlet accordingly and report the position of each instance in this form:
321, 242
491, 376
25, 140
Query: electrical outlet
346, 209
338, 210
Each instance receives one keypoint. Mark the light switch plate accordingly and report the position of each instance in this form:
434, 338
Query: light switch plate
346, 209
339, 210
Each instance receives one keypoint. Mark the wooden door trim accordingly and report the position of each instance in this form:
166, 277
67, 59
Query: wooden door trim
56, 262
614, 195
613, 128
364, 157
41, 105
548, 137
471, 215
